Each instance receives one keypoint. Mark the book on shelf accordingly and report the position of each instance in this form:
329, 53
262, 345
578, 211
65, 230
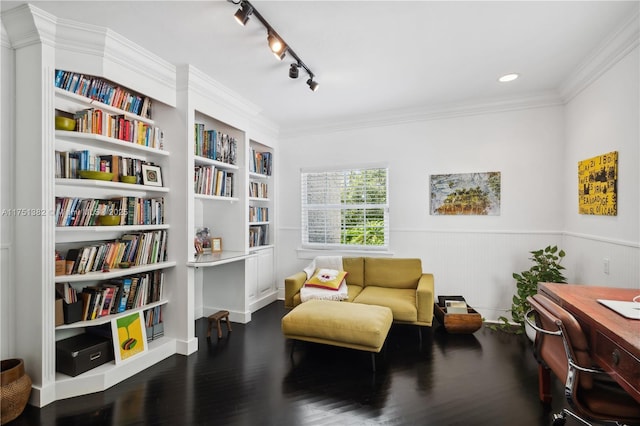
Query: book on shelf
126, 289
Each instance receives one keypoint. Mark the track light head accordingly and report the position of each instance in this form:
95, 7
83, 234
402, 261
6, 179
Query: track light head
276, 43
277, 46
293, 71
242, 15
313, 85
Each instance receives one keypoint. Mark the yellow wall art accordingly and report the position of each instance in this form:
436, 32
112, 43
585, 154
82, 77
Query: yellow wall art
129, 336
598, 185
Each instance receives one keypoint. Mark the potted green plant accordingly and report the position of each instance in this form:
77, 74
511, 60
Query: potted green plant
546, 268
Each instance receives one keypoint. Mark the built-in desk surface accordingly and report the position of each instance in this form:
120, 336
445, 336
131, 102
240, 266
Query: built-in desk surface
214, 259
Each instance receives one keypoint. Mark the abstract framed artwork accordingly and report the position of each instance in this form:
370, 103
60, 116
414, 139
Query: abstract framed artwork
151, 175
465, 194
129, 336
598, 185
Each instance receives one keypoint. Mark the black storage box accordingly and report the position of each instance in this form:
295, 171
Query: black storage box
81, 353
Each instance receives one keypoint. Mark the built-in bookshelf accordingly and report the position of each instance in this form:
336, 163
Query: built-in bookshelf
216, 157
124, 174
110, 90
219, 128
110, 216
260, 191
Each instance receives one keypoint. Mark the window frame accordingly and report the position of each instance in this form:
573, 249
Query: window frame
342, 207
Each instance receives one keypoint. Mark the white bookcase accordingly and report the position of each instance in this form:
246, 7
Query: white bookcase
65, 45
240, 279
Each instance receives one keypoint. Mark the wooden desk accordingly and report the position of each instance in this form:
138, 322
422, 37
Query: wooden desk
614, 340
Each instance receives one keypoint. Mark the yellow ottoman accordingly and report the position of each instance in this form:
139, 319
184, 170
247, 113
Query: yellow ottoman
350, 325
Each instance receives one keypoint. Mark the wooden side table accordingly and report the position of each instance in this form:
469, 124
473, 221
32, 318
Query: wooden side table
217, 317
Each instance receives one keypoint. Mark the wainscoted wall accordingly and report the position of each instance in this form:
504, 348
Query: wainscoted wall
536, 148
7, 294
478, 265
588, 254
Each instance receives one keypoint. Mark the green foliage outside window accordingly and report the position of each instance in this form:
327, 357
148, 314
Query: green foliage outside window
347, 207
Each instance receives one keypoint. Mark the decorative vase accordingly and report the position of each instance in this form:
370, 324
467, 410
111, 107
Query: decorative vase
15, 389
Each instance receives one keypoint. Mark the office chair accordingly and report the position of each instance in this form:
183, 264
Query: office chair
562, 346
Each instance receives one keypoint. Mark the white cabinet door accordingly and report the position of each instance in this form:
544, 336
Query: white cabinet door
251, 277
266, 280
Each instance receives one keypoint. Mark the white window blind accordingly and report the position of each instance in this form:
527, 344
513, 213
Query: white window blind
345, 208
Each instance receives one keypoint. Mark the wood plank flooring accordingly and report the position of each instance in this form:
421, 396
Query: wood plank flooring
487, 378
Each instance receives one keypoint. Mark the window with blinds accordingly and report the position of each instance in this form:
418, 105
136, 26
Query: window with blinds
345, 208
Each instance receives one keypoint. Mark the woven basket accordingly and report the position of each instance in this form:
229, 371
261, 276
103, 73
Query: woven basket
14, 390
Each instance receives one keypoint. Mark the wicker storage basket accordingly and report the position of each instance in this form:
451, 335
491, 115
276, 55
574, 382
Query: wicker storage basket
14, 390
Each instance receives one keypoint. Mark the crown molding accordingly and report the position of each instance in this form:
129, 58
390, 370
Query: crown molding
614, 48
206, 86
27, 25
4, 37
390, 118
193, 80
101, 51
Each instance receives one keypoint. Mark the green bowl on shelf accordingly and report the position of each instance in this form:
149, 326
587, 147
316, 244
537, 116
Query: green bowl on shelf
65, 123
128, 179
109, 220
92, 174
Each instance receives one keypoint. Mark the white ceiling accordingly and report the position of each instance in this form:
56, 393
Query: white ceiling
370, 57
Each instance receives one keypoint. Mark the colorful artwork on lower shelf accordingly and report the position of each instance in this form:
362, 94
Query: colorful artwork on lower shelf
466, 194
598, 185
129, 336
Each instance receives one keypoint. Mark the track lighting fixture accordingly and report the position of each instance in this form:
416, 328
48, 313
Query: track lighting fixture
293, 71
277, 46
242, 15
313, 85
276, 43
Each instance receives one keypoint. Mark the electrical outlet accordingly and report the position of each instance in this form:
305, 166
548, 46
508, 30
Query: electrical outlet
606, 266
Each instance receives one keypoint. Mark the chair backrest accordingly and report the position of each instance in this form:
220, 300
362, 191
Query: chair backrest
552, 348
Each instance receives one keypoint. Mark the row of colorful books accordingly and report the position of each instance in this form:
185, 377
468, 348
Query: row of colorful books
99, 122
139, 248
118, 295
69, 163
103, 91
211, 181
74, 211
215, 145
258, 190
260, 162
257, 235
258, 214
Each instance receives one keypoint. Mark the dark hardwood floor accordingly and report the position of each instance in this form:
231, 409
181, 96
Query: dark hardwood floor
488, 378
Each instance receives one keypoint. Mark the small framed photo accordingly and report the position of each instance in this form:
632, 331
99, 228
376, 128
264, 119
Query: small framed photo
129, 336
216, 245
151, 175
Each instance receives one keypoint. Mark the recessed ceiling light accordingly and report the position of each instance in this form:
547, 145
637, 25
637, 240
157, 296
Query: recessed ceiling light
508, 77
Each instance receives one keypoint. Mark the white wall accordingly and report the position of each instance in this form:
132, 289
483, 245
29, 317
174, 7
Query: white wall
601, 119
536, 150
470, 255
